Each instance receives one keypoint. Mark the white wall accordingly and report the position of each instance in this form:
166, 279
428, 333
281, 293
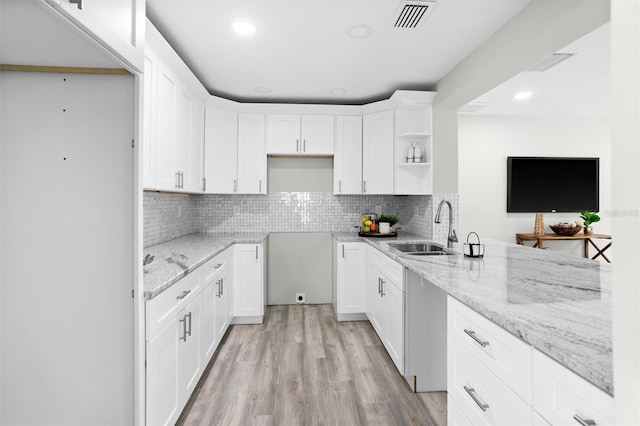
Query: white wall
485, 142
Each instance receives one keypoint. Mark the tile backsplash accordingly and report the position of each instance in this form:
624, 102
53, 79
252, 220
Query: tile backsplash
169, 216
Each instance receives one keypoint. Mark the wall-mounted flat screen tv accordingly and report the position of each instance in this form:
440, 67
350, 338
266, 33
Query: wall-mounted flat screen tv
552, 184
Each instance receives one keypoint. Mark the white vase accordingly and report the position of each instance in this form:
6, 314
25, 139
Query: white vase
385, 228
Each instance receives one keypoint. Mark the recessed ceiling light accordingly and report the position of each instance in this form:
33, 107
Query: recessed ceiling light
521, 96
245, 28
359, 31
338, 91
262, 90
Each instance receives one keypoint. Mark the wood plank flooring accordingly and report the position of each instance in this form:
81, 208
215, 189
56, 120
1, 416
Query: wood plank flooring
302, 367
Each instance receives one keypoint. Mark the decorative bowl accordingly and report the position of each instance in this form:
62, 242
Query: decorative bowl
562, 229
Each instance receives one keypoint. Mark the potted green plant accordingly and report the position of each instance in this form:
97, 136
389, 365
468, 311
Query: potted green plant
385, 222
588, 219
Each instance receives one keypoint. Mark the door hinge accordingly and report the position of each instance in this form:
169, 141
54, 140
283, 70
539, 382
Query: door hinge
133, 143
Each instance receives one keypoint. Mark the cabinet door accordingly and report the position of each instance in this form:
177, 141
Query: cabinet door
162, 404
394, 323
221, 317
351, 278
208, 338
149, 114
166, 165
283, 134
252, 177
221, 151
317, 134
189, 349
182, 136
376, 302
248, 292
377, 153
118, 25
193, 172
347, 160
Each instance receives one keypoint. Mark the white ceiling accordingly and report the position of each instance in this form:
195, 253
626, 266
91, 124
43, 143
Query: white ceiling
301, 51
579, 86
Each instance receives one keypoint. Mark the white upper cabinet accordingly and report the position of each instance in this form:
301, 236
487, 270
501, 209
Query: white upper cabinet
194, 174
150, 104
293, 134
347, 162
252, 160
221, 151
377, 153
167, 177
118, 26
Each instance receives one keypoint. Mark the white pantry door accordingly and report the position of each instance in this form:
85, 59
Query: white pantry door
66, 239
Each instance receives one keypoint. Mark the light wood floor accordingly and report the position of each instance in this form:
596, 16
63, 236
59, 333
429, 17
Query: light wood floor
301, 367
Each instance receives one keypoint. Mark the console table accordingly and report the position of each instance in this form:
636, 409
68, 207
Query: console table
588, 240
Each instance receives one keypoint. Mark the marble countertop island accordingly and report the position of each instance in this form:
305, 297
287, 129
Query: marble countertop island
559, 304
176, 258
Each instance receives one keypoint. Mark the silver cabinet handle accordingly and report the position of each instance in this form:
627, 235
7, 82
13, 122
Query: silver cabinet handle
218, 289
184, 329
297, 145
221, 286
204, 184
218, 266
181, 180
343, 251
379, 286
304, 145
256, 252
177, 174
364, 187
235, 185
382, 293
340, 186
77, 2
260, 185
189, 332
184, 294
584, 422
472, 394
472, 334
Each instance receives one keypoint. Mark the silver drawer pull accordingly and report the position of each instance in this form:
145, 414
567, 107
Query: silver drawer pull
584, 422
218, 266
184, 329
472, 334
184, 294
471, 392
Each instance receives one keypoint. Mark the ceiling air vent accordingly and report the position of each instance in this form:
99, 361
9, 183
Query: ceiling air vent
411, 13
551, 61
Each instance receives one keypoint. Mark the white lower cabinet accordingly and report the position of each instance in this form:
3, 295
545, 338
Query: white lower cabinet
162, 406
215, 297
190, 363
350, 296
386, 303
562, 397
248, 284
483, 398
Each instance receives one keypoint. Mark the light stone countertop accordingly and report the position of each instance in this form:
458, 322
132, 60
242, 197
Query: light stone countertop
176, 258
559, 304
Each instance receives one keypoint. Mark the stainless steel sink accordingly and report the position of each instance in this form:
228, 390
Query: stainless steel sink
421, 249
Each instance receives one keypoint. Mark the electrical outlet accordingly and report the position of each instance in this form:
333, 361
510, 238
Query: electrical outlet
378, 210
300, 298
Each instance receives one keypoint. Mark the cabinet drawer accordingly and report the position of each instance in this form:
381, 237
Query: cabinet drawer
467, 379
211, 268
506, 356
559, 395
389, 267
165, 306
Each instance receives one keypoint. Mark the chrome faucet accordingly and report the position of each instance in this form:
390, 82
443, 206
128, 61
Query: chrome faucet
451, 237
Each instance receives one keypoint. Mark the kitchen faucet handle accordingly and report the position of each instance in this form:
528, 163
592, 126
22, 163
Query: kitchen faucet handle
453, 237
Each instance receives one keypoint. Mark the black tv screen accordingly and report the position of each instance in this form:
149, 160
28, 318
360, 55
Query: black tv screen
552, 184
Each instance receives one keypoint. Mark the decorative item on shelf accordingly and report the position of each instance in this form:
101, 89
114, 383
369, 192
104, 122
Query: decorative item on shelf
417, 154
386, 222
382, 228
538, 228
473, 249
369, 223
588, 219
411, 153
566, 228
